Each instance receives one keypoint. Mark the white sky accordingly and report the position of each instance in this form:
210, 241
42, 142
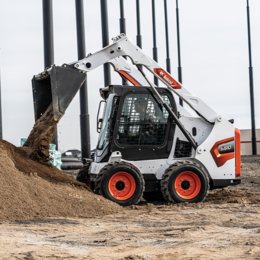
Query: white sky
213, 46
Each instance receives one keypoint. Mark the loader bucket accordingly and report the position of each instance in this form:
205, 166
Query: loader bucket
56, 86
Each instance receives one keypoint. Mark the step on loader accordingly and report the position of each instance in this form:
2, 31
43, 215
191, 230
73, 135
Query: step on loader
148, 143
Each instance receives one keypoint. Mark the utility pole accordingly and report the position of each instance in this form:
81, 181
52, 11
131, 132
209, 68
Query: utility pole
83, 95
251, 83
105, 38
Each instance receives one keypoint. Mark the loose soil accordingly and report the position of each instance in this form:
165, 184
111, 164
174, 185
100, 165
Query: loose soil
29, 190
41, 136
225, 226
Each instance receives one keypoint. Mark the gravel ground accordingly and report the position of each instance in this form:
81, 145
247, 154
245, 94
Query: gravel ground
225, 226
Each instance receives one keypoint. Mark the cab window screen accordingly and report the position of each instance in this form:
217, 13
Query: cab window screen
142, 121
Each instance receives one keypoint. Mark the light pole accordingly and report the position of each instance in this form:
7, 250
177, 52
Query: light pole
48, 43
178, 47
105, 38
48, 33
122, 17
168, 60
83, 95
251, 83
138, 24
155, 53
122, 26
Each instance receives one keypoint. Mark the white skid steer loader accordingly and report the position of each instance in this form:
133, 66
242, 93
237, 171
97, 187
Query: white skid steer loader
148, 143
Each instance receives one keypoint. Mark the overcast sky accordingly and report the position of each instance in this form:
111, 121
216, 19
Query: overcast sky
213, 46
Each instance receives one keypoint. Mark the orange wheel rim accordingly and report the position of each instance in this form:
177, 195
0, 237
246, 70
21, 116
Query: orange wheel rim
122, 185
187, 185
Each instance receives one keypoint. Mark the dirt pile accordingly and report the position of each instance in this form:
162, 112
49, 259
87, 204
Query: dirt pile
31, 190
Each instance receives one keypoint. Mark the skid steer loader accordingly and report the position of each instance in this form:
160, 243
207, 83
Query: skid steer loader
147, 143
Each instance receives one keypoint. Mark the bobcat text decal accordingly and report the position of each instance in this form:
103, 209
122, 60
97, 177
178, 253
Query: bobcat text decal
166, 77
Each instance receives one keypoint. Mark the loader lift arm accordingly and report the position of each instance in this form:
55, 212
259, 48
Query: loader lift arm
123, 47
114, 53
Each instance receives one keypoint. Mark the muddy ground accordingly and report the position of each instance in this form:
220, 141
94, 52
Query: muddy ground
225, 226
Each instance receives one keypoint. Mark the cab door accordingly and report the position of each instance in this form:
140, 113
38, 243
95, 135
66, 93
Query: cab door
144, 129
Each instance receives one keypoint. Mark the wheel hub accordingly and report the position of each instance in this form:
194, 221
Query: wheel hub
187, 185
122, 185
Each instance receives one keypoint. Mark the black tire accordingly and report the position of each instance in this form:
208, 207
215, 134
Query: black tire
185, 181
83, 176
120, 182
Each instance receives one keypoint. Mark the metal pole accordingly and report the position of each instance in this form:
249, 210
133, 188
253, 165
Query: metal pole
48, 33
105, 38
83, 95
138, 36
251, 84
48, 44
122, 17
168, 60
155, 53
122, 26
179, 48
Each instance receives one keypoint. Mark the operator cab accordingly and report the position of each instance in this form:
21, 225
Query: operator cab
135, 124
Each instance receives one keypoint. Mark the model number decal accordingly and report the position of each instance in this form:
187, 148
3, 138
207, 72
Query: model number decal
226, 147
